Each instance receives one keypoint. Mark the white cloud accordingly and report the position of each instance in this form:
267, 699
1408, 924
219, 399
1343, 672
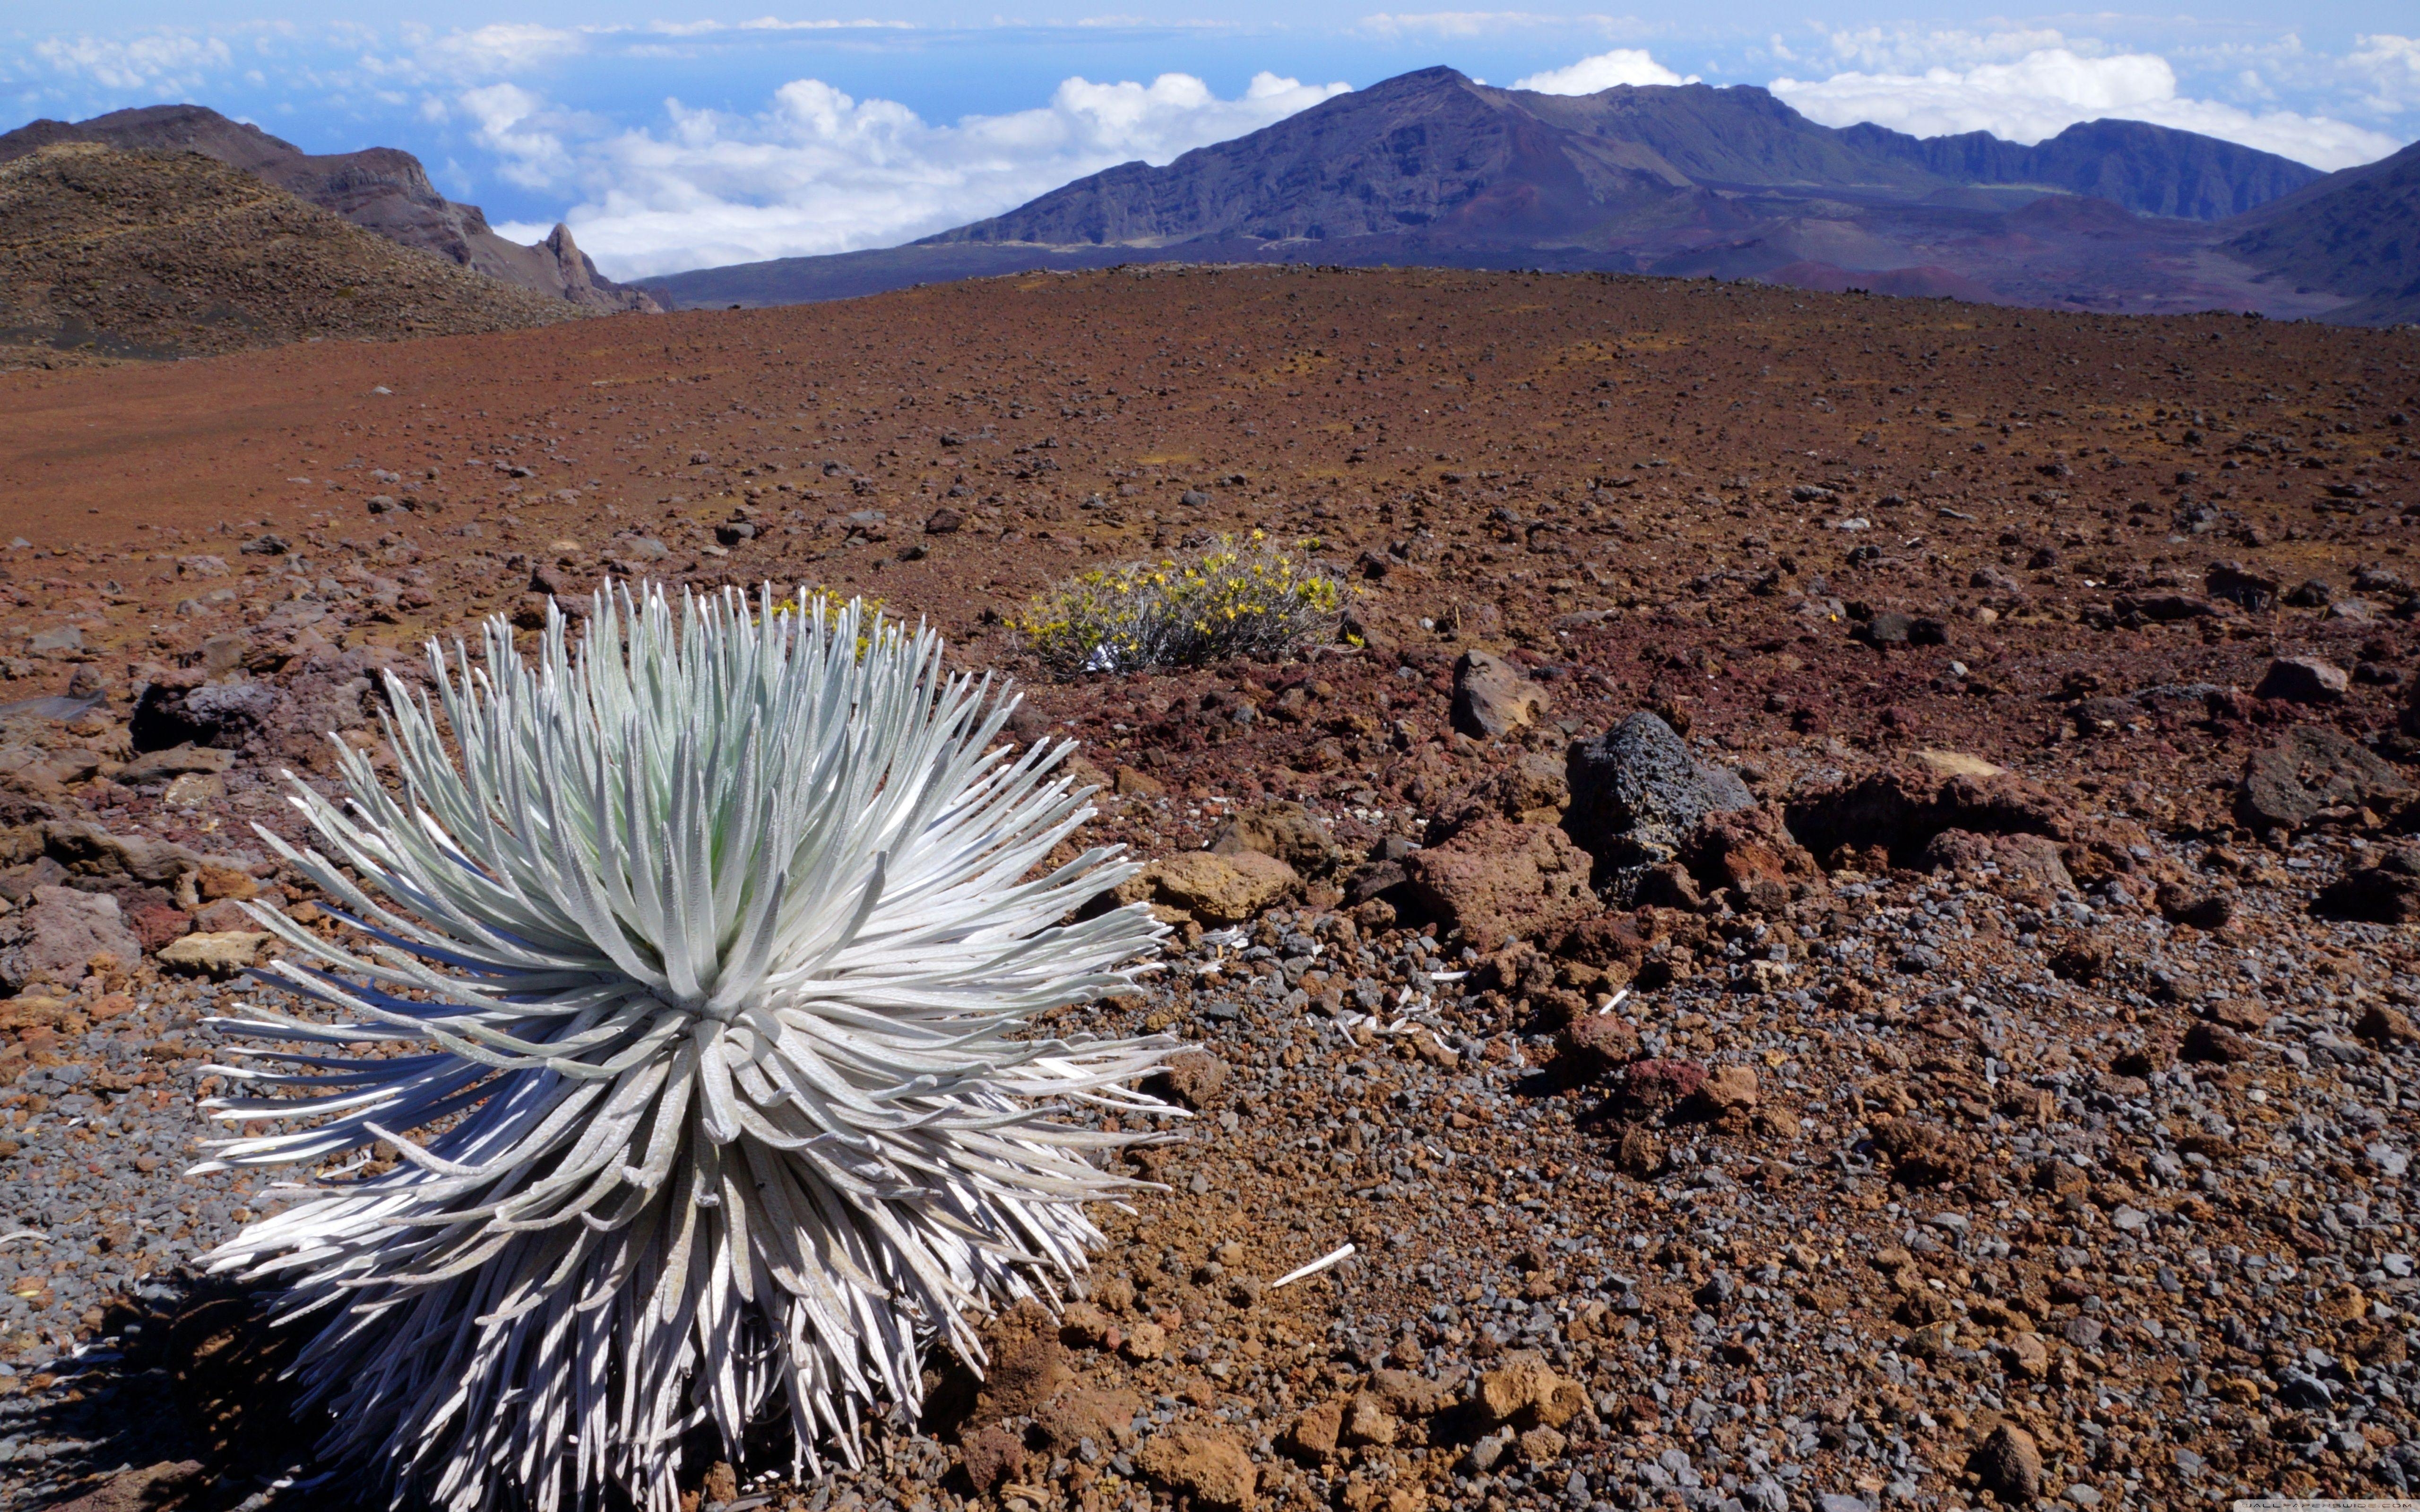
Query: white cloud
153, 60
499, 48
2389, 67
1623, 65
2046, 90
1457, 23
527, 137
820, 172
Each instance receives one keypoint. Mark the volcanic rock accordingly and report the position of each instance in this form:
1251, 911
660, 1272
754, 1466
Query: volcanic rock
1215, 1470
1637, 790
1498, 881
2303, 680
1284, 829
2312, 771
2387, 893
1220, 888
59, 935
1492, 696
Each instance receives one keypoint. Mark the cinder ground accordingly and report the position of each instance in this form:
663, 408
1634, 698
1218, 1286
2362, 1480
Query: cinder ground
1965, 1136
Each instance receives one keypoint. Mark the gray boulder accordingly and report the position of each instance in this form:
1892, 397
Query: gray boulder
1637, 790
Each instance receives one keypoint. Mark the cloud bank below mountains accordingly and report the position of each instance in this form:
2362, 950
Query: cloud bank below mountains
821, 172
2051, 88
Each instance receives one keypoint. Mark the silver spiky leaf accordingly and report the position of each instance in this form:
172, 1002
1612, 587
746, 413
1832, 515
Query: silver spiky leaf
689, 997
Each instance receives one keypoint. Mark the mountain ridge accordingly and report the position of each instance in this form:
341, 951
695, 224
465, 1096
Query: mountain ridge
114, 253
1434, 168
383, 189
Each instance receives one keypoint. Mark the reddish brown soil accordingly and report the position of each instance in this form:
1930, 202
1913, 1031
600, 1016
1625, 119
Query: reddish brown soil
1978, 1187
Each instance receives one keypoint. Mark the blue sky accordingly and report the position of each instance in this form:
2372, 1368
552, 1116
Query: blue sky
680, 135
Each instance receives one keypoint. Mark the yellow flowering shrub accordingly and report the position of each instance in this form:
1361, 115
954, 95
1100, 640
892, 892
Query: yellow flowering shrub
1243, 596
821, 605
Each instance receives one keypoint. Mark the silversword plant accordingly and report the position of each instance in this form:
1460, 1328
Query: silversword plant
690, 998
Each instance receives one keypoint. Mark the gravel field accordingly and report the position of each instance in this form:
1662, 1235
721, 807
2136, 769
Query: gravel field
1831, 948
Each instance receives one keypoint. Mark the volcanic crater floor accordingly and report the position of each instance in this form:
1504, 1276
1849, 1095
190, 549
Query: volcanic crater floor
1834, 928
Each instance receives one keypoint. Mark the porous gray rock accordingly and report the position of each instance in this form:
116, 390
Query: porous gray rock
1636, 790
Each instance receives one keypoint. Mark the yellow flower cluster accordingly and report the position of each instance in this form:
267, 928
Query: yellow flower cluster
1242, 597
822, 605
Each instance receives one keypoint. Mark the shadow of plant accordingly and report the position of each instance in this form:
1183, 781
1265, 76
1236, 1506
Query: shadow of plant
189, 1411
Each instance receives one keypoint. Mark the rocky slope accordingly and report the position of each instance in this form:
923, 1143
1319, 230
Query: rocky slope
379, 188
2356, 232
152, 254
1433, 168
1980, 742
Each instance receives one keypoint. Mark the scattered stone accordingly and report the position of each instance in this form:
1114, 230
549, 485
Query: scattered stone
58, 935
2032, 860
1921, 1154
2312, 772
1597, 1044
2243, 587
2009, 1465
2382, 1026
991, 1457
221, 954
2216, 1044
183, 710
1130, 783
1499, 881
1216, 1469
1492, 696
1730, 1088
1637, 790
2303, 680
1219, 889
1286, 830
2182, 904
1193, 1077
2387, 893
1526, 1392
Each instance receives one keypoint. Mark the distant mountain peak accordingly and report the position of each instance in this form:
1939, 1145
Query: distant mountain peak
383, 189
1433, 167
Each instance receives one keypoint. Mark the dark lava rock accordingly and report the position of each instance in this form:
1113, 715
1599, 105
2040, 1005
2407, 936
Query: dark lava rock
2310, 772
1888, 628
2303, 680
2242, 586
2385, 893
2180, 905
1637, 790
944, 522
178, 711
